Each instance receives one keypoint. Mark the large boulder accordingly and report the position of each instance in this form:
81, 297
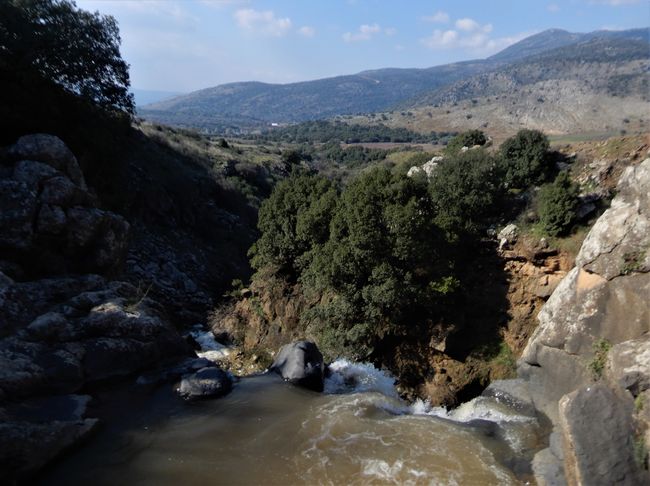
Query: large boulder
301, 363
598, 436
50, 150
49, 221
209, 382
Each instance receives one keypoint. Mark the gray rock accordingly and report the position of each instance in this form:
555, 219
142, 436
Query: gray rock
26, 447
628, 365
301, 363
598, 436
51, 220
60, 191
18, 203
50, 150
33, 173
508, 235
623, 231
48, 327
209, 382
514, 393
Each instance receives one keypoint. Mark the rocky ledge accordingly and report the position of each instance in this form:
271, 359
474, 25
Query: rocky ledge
587, 365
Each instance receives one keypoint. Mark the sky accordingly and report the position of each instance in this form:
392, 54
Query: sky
185, 45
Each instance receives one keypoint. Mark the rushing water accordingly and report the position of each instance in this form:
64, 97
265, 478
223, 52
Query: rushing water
269, 432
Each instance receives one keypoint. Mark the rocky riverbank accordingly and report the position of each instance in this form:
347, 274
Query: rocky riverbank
65, 324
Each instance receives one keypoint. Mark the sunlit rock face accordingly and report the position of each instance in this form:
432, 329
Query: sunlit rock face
602, 302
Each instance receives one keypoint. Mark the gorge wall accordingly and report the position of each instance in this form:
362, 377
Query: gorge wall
587, 365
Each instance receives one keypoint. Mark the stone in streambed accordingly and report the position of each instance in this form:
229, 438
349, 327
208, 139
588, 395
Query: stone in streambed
209, 382
301, 363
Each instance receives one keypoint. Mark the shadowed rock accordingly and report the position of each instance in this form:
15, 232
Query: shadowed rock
301, 363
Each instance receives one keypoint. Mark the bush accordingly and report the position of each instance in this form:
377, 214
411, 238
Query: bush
466, 191
469, 138
557, 204
525, 158
382, 269
292, 220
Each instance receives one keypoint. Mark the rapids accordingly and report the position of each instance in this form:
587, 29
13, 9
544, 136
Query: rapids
268, 432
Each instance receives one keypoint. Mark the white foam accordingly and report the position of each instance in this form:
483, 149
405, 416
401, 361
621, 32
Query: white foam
210, 348
348, 377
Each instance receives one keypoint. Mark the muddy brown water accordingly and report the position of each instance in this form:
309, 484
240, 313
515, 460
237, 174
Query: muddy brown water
269, 432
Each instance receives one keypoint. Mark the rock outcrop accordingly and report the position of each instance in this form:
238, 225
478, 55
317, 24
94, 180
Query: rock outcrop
64, 324
589, 359
50, 222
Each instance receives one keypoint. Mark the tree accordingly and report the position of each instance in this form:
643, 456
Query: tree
557, 204
526, 160
469, 138
293, 220
74, 48
466, 190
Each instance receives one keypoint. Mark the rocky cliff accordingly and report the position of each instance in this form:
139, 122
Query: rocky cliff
587, 365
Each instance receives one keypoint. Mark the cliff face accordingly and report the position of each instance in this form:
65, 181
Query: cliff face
587, 365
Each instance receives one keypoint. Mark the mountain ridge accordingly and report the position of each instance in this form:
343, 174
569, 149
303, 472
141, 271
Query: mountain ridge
253, 104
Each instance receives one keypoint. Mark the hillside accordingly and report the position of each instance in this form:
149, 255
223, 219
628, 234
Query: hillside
597, 87
551, 55
252, 104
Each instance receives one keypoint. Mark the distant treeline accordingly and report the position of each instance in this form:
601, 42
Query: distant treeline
327, 131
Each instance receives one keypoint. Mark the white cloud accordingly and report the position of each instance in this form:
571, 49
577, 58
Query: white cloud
262, 22
439, 17
390, 31
307, 31
470, 36
553, 8
364, 33
468, 25
441, 40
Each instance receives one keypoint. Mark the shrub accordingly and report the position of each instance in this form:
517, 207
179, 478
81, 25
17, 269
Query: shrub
469, 138
557, 205
292, 220
466, 190
526, 160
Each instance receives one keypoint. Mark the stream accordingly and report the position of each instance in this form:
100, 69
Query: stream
269, 432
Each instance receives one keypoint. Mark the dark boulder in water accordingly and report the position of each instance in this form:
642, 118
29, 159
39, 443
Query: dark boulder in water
209, 382
301, 363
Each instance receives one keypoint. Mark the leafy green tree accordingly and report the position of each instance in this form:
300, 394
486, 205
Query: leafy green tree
557, 204
74, 48
381, 267
526, 160
294, 219
469, 138
466, 190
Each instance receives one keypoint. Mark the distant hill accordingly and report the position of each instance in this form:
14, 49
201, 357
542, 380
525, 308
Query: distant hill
551, 54
146, 96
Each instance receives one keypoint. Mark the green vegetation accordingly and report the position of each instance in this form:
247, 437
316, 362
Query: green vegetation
525, 159
633, 262
75, 49
323, 131
469, 138
466, 192
557, 204
597, 364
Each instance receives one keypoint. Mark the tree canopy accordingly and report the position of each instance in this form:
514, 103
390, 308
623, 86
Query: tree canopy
76, 49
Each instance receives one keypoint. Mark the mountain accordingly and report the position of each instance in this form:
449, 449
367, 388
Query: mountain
146, 96
254, 103
541, 56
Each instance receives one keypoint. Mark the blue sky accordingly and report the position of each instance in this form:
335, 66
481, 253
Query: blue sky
183, 45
